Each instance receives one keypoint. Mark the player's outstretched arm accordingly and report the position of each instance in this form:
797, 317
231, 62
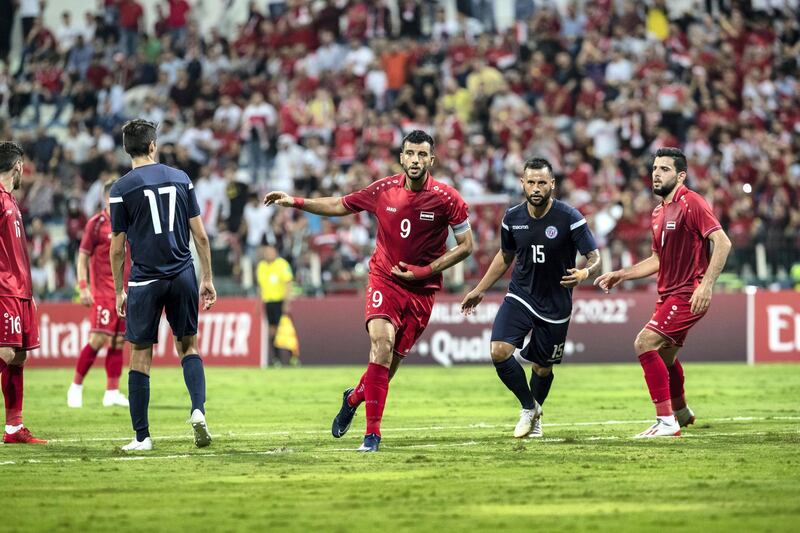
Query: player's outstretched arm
208, 294
701, 297
117, 256
453, 256
327, 207
496, 270
642, 269
575, 276
83, 277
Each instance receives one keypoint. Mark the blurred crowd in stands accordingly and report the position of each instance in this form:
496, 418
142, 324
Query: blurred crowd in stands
314, 97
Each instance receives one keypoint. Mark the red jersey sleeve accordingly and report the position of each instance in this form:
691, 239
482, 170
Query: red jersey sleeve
367, 198
701, 218
88, 240
457, 213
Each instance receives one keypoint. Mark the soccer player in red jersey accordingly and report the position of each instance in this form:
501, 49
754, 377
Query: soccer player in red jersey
414, 212
682, 225
19, 326
107, 326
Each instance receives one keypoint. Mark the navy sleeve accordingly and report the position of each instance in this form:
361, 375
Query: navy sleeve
119, 215
581, 234
194, 207
507, 243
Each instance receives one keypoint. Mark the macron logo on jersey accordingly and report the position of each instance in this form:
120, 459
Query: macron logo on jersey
391, 209
670, 224
426, 215
519, 227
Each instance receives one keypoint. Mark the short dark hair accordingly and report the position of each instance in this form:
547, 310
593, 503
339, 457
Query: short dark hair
535, 163
137, 135
10, 153
417, 137
678, 158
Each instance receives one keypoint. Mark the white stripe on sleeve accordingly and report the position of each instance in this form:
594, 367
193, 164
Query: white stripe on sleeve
577, 224
115, 199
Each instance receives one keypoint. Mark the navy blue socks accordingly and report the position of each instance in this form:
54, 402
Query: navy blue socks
513, 375
195, 380
541, 386
139, 398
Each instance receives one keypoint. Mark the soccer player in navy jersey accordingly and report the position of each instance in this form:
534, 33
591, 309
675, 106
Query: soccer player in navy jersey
544, 235
683, 226
154, 208
19, 325
414, 214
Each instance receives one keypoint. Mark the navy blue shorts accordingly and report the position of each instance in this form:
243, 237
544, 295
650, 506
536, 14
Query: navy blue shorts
513, 323
178, 296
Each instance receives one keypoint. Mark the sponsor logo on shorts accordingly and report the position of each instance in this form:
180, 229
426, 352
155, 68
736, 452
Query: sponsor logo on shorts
670, 224
425, 215
654, 322
551, 232
519, 227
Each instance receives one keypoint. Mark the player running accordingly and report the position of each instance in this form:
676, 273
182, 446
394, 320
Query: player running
544, 235
682, 225
154, 207
20, 326
107, 327
414, 212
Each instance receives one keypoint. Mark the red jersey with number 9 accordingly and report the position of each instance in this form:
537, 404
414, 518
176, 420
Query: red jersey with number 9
15, 267
412, 225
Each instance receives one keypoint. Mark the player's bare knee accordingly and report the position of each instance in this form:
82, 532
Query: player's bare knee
647, 341
6, 354
18, 358
542, 371
186, 346
97, 340
381, 349
500, 351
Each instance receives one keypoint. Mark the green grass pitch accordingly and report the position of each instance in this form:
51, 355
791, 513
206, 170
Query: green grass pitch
448, 460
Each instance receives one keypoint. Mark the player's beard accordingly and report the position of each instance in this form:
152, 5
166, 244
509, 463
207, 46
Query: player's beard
423, 172
540, 201
665, 188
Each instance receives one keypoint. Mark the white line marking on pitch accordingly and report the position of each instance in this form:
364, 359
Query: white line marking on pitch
147, 457
480, 425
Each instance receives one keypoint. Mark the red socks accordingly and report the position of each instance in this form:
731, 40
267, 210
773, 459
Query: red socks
376, 387
658, 382
113, 368
12, 384
676, 386
356, 397
85, 362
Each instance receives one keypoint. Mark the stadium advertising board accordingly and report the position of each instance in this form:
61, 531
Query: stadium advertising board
229, 335
603, 327
776, 327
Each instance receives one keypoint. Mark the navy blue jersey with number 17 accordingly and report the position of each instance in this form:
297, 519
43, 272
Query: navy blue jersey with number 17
152, 205
544, 248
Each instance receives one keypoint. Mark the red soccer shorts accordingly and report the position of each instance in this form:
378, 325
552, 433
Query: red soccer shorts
673, 319
19, 325
104, 317
408, 311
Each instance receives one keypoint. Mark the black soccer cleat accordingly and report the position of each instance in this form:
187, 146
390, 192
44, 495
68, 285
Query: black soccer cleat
371, 443
344, 417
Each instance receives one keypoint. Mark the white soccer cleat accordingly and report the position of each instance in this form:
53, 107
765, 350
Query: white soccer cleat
665, 426
135, 446
685, 416
536, 431
527, 418
114, 397
202, 437
75, 396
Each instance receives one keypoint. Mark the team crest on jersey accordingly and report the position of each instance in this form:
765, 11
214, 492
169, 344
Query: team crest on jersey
670, 224
425, 215
551, 232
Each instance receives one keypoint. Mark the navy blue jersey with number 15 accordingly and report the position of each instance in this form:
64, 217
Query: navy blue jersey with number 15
152, 204
544, 248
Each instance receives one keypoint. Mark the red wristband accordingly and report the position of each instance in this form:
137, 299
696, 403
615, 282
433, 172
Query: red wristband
82, 284
420, 272
297, 203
